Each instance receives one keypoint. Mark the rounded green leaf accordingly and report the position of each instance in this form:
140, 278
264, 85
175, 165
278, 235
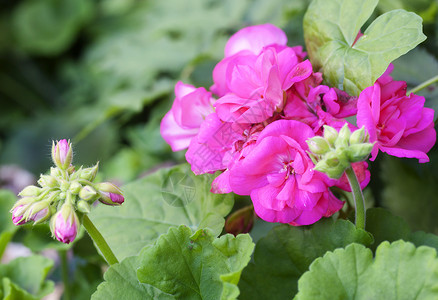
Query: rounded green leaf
330, 30
195, 266
286, 252
398, 271
164, 199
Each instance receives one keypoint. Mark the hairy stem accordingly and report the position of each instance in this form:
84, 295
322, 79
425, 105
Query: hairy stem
65, 274
423, 85
99, 241
359, 201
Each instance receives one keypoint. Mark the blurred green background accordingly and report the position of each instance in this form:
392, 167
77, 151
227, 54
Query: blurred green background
101, 73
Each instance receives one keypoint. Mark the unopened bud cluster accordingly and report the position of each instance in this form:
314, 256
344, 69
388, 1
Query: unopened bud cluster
64, 195
333, 153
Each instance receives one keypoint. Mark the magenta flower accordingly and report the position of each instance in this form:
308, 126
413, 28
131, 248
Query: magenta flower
62, 154
248, 41
400, 125
257, 84
65, 224
279, 177
188, 111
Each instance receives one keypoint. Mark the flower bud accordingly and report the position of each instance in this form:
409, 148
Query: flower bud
30, 191
55, 172
62, 154
38, 212
330, 134
18, 214
87, 193
89, 173
110, 194
65, 224
344, 137
75, 187
359, 152
333, 165
318, 145
83, 206
359, 136
48, 181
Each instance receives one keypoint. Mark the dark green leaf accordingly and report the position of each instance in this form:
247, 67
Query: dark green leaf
286, 252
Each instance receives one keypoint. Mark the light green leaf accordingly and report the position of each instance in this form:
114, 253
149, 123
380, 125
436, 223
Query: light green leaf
399, 271
164, 199
286, 252
196, 266
330, 29
27, 276
7, 228
121, 283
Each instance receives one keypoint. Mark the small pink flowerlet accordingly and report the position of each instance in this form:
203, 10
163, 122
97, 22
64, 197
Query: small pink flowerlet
18, 215
188, 111
278, 175
65, 224
400, 125
109, 194
62, 154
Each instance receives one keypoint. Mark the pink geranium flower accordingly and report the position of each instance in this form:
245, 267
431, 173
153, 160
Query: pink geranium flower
188, 111
279, 177
400, 125
256, 84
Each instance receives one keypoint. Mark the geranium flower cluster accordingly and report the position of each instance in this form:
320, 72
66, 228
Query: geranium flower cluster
265, 103
63, 195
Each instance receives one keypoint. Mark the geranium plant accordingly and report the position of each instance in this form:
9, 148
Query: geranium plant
284, 139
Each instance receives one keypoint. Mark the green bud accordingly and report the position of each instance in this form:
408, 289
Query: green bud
359, 152
344, 137
87, 193
55, 172
64, 186
89, 173
359, 136
48, 181
330, 134
30, 191
108, 187
318, 145
83, 207
313, 157
23, 202
333, 164
75, 187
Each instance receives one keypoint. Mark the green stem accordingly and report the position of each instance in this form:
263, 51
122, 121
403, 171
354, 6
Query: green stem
423, 85
359, 202
65, 276
99, 241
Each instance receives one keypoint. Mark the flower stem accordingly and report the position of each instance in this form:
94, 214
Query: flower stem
99, 241
359, 202
423, 85
65, 273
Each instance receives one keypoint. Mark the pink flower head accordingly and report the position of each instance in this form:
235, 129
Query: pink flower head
400, 125
279, 177
62, 154
65, 224
257, 84
188, 111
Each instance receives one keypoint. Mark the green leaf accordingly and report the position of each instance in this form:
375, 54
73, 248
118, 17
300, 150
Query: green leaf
330, 29
121, 283
164, 199
286, 252
399, 271
26, 276
7, 228
384, 226
196, 266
